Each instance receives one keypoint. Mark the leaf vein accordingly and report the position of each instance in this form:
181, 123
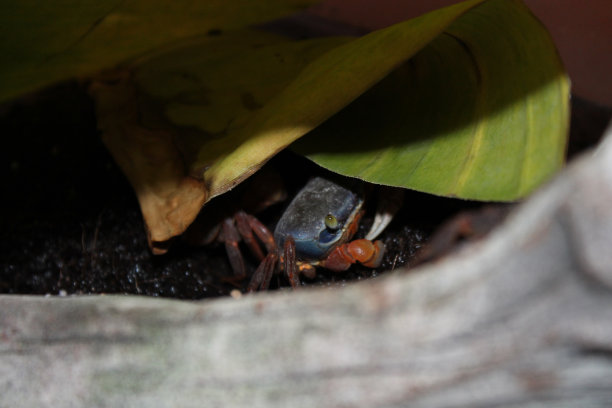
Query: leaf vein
478, 133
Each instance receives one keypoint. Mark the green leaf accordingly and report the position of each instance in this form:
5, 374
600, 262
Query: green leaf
481, 113
321, 89
215, 84
222, 106
42, 42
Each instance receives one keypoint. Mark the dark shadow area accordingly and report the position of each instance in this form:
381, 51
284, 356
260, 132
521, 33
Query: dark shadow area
589, 120
71, 223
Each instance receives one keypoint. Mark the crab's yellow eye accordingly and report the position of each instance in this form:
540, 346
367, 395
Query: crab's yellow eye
331, 222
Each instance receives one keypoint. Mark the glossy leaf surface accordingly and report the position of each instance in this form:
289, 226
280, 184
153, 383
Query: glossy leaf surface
480, 113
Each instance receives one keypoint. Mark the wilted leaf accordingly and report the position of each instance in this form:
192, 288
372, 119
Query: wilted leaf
481, 113
42, 42
169, 199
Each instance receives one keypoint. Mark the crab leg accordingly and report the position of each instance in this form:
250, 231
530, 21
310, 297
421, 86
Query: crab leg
230, 238
262, 276
363, 251
242, 224
247, 225
262, 232
290, 263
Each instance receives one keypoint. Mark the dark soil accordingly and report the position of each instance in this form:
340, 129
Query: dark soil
70, 222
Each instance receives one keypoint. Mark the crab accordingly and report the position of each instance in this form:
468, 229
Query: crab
314, 231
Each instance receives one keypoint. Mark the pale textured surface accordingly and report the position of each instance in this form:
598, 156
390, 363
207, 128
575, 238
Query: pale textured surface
519, 320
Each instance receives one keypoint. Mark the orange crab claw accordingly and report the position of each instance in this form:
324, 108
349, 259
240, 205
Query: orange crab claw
363, 251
